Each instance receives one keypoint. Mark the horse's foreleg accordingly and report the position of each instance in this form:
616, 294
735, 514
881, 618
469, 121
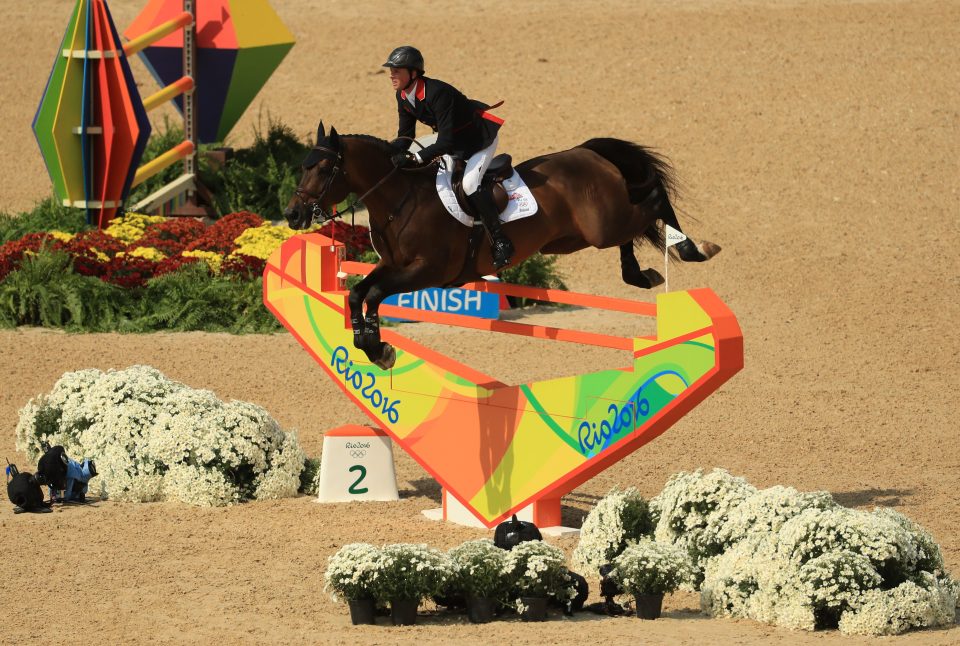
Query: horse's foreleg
355, 300
406, 279
631, 272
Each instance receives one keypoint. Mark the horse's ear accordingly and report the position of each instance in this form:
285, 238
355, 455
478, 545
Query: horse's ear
320, 132
334, 139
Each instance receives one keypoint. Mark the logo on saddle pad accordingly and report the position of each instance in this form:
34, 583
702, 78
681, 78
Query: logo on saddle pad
520, 200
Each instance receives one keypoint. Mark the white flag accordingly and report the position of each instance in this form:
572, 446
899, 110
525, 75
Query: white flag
672, 235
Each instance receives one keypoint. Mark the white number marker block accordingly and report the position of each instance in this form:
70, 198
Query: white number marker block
357, 465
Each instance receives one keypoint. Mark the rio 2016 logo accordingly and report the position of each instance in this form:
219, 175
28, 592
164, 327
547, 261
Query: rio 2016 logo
340, 360
594, 437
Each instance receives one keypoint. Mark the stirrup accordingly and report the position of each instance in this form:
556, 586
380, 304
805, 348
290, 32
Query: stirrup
502, 251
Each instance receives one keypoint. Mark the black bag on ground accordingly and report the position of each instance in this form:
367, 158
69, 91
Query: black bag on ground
53, 467
23, 490
511, 533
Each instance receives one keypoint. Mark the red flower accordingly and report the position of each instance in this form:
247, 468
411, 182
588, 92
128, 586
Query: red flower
355, 237
220, 235
171, 236
243, 266
172, 264
12, 253
128, 271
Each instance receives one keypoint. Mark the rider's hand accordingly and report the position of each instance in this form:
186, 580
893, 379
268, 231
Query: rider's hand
403, 160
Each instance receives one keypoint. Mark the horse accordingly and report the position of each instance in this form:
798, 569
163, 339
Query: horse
603, 193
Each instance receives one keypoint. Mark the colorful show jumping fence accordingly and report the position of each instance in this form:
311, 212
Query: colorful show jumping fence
92, 125
495, 447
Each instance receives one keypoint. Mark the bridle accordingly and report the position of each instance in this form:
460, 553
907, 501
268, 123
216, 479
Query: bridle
318, 214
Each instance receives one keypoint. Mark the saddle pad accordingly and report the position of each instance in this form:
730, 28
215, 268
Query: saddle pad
520, 204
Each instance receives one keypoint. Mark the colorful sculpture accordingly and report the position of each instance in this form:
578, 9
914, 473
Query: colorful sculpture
91, 125
494, 447
239, 45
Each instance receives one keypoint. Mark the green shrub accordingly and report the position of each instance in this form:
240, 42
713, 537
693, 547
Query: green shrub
191, 298
47, 215
536, 271
262, 178
309, 477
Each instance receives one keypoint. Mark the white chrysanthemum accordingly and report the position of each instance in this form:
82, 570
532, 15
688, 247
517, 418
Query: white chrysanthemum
693, 507
154, 438
648, 567
925, 604
767, 510
617, 519
538, 569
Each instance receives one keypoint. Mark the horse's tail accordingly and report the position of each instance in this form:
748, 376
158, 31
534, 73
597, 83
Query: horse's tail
650, 179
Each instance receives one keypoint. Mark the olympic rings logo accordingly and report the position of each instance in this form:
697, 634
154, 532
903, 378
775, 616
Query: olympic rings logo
357, 453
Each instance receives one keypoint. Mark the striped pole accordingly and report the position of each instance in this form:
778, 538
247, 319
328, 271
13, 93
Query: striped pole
154, 166
142, 42
175, 89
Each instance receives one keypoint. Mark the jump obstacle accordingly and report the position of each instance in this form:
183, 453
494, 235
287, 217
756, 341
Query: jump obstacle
92, 125
495, 448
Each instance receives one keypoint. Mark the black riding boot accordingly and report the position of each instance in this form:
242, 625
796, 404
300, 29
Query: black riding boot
483, 203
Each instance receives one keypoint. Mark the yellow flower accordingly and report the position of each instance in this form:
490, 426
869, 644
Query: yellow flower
150, 253
213, 259
262, 241
61, 235
131, 226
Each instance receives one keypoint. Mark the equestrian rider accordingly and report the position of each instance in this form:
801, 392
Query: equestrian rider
464, 130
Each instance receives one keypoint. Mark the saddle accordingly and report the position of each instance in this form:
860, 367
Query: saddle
500, 168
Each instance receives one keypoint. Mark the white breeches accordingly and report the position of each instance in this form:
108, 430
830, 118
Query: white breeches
477, 165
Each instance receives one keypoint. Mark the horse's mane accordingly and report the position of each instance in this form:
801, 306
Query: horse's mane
382, 144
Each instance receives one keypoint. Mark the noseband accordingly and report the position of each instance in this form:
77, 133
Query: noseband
318, 214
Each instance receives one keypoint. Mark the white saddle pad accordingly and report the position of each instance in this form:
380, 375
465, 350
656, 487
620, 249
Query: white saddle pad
520, 203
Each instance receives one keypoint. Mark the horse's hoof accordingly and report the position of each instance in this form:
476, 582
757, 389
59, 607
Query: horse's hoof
388, 357
708, 249
653, 277
642, 278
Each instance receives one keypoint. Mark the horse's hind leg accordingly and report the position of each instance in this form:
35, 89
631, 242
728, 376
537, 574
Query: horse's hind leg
631, 272
687, 250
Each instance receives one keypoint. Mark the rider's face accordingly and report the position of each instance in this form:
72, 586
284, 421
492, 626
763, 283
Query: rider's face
399, 77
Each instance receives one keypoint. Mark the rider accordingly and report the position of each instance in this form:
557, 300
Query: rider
464, 130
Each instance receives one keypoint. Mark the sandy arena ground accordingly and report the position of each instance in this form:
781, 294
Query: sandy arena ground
818, 143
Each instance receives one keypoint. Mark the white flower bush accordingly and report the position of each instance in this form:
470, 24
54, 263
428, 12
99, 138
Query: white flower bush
538, 569
926, 603
478, 570
156, 439
353, 571
801, 561
693, 508
411, 571
618, 519
648, 567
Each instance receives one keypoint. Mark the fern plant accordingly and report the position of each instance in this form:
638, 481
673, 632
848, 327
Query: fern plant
191, 298
46, 291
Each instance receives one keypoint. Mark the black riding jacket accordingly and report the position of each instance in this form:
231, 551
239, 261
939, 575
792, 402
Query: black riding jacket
463, 126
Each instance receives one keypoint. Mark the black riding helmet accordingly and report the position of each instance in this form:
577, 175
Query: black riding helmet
405, 56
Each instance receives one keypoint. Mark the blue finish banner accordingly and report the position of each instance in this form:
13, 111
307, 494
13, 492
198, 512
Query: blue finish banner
451, 301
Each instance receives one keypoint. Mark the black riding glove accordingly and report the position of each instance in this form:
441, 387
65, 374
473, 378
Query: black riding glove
403, 160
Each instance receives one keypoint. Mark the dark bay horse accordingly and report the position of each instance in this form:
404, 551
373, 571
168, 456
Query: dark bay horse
602, 193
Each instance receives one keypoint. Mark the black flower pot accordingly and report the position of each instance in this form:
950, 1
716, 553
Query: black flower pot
403, 612
480, 610
649, 605
362, 611
535, 608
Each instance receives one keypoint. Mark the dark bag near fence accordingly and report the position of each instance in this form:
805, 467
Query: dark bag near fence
24, 491
511, 533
